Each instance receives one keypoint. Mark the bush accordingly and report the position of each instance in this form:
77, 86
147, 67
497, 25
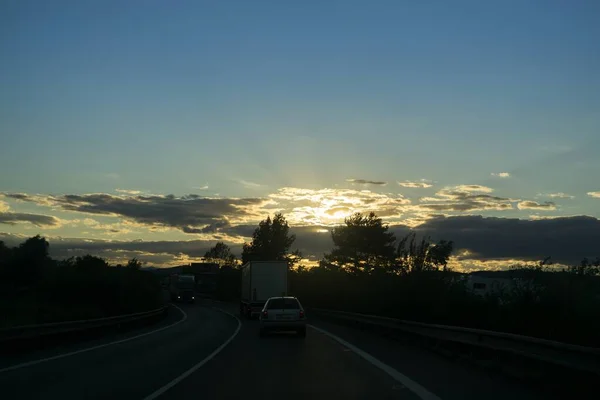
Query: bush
95, 293
559, 306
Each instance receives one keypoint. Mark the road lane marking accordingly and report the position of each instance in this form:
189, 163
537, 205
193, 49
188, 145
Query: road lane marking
413, 386
72, 353
190, 371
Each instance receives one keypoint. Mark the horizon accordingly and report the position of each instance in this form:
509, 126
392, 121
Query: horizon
154, 130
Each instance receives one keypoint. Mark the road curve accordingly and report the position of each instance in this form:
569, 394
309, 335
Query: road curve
169, 361
129, 369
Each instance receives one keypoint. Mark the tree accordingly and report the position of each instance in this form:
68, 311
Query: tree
362, 245
586, 268
134, 263
31, 257
271, 241
5, 261
221, 254
34, 249
424, 256
90, 262
5, 253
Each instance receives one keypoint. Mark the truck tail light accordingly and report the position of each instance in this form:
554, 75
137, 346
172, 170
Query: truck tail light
265, 314
301, 314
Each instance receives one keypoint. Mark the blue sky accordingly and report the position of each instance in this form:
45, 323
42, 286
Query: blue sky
241, 99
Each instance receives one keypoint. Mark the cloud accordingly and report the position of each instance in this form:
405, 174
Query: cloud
112, 175
534, 205
594, 194
501, 174
111, 229
559, 195
480, 242
127, 191
566, 239
474, 188
10, 218
3, 206
190, 213
325, 207
366, 182
464, 198
205, 187
249, 185
411, 184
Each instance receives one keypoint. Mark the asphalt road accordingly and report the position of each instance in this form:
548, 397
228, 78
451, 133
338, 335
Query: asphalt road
170, 362
128, 370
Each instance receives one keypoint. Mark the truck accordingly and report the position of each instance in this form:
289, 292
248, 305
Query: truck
260, 281
181, 287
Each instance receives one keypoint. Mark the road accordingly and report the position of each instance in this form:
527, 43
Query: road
169, 361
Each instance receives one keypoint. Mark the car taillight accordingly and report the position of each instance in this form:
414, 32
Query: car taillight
265, 314
301, 314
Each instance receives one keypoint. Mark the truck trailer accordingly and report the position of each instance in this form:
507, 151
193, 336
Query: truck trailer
260, 281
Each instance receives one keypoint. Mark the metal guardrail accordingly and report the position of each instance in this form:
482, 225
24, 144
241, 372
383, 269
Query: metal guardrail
32, 331
571, 356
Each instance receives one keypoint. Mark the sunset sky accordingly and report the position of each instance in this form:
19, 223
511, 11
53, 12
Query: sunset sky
155, 128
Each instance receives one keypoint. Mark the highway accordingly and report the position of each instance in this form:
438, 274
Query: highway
203, 351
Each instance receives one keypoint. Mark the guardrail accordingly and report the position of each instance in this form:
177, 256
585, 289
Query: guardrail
41, 330
573, 357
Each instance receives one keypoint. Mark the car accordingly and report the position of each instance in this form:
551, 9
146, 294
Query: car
283, 314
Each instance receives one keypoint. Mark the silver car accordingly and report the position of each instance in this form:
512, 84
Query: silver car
283, 314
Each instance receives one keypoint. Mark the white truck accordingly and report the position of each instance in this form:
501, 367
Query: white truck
261, 280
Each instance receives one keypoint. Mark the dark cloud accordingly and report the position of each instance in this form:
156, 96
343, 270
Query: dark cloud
462, 199
17, 196
11, 218
567, 239
191, 213
366, 182
464, 206
67, 247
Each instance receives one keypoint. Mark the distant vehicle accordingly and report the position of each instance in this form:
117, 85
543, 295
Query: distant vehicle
262, 280
181, 287
283, 314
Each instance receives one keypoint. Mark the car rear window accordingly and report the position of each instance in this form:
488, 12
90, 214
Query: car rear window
283, 304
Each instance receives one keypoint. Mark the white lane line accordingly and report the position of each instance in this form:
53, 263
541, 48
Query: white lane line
413, 386
200, 364
72, 353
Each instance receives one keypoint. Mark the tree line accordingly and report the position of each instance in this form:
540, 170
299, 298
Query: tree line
34, 288
369, 270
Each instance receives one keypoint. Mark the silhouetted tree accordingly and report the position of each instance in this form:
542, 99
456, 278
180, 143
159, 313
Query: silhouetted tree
271, 241
413, 256
30, 259
134, 263
586, 268
5, 254
5, 263
90, 262
67, 262
221, 254
362, 245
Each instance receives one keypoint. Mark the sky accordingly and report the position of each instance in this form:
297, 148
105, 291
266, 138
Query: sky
155, 128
